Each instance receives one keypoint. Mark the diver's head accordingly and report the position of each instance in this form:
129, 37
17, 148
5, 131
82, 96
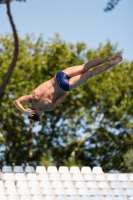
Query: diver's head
35, 117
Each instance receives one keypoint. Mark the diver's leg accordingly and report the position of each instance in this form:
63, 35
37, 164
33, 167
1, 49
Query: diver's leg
80, 79
79, 69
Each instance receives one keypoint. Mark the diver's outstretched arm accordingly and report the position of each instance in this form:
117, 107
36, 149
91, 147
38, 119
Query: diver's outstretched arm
22, 100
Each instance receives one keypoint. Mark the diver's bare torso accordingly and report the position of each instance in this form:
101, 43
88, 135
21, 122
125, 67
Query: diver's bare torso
44, 96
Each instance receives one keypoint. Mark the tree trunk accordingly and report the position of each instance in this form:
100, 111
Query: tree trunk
13, 62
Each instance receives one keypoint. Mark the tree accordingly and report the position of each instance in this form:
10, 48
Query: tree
128, 159
16, 49
111, 5
5, 1
13, 62
92, 126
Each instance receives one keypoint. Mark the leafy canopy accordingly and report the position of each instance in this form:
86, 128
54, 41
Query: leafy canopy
4, 1
92, 126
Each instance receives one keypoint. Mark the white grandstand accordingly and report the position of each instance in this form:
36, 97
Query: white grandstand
64, 184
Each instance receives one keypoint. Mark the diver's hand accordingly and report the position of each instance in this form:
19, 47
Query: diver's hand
29, 112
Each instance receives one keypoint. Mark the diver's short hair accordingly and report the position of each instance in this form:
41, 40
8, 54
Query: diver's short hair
35, 117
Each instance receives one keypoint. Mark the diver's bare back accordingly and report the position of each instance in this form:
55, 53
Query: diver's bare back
46, 94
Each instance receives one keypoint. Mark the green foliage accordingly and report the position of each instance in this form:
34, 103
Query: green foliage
111, 5
65, 135
128, 158
4, 1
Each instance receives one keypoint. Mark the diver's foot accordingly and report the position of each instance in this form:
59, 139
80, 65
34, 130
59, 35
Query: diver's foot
115, 59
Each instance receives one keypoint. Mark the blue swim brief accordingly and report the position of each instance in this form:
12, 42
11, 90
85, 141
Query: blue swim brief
63, 81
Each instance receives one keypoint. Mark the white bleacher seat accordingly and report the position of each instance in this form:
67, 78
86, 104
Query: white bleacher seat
73, 198
98, 198
103, 184
1, 184
118, 192
97, 170
66, 177
41, 170
23, 191
8, 176
11, 191
29, 169
47, 191
94, 192
25, 197
33, 184
59, 191
35, 191
18, 169
45, 184
12, 197
77, 177
64, 184
91, 184
106, 192
71, 191
61, 197
2, 191
52, 169
80, 184
37, 198
21, 184
100, 177
3, 197
85, 197
68, 184
31, 177
20, 177
63, 170
42, 177
129, 192
122, 177
111, 177
54, 177
114, 184
74, 170
49, 198
86, 170
7, 169
83, 192
121, 198
126, 184
89, 177
10, 184
109, 198
131, 177
57, 184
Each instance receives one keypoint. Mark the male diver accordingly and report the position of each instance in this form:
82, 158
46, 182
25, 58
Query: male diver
51, 93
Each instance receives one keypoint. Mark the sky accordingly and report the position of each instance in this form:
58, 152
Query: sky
75, 21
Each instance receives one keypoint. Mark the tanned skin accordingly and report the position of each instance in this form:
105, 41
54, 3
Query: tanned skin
48, 95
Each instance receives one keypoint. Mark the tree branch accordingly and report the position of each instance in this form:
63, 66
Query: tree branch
111, 5
14, 60
92, 131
